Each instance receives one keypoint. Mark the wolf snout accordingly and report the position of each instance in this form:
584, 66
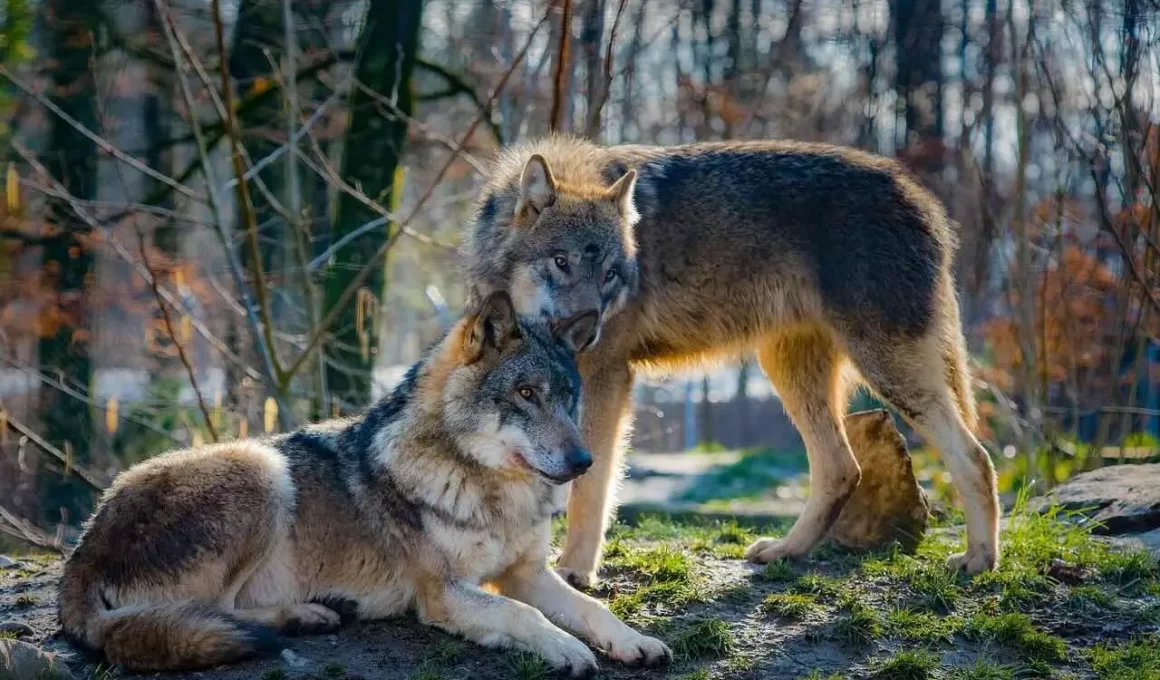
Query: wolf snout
579, 460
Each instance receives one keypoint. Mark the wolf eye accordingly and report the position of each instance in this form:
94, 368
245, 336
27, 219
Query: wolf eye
526, 393
562, 262
610, 276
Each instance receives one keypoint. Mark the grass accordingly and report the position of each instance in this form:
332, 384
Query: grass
922, 627
816, 584
1018, 633
26, 602
703, 638
1136, 660
778, 571
981, 670
858, 625
936, 588
789, 606
1088, 599
527, 666
275, 674
666, 574
906, 665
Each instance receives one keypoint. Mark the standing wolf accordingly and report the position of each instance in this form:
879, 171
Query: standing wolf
197, 557
832, 265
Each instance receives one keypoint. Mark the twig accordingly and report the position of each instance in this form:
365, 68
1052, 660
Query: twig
102, 143
24, 530
64, 459
245, 204
606, 91
125, 255
271, 374
377, 257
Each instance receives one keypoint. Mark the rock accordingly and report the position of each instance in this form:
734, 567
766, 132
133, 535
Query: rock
1120, 498
10, 628
293, 660
1149, 540
22, 661
7, 562
888, 505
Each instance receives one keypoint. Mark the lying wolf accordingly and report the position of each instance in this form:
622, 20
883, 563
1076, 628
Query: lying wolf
831, 265
198, 557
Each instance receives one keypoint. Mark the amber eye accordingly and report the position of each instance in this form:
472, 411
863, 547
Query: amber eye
562, 262
526, 393
610, 276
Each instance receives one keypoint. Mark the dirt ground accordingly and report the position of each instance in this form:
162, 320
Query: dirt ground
1066, 605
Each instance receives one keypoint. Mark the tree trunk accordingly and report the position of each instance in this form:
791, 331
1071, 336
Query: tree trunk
387, 48
68, 265
918, 28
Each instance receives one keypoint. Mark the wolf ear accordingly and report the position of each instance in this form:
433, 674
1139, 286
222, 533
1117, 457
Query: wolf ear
537, 186
577, 331
492, 327
621, 194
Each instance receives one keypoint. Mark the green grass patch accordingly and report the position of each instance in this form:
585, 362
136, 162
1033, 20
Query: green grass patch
1136, 660
755, 473
778, 571
275, 674
699, 674
1017, 632
814, 583
703, 638
858, 624
935, 587
981, 670
734, 593
790, 606
1088, 599
922, 627
528, 666
907, 665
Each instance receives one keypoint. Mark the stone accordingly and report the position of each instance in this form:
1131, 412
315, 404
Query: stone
7, 562
293, 660
1120, 499
15, 628
888, 504
22, 661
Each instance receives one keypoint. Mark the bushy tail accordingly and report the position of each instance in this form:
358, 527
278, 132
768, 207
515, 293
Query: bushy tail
167, 636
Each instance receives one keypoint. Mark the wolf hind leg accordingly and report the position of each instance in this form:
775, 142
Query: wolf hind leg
303, 618
606, 421
926, 381
805, 366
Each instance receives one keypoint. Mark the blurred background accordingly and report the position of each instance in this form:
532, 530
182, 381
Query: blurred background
227, 218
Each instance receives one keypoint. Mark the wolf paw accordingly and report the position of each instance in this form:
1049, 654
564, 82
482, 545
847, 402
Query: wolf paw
305, 619
974, 561
640, 650
581, 580
569, 656
767, 550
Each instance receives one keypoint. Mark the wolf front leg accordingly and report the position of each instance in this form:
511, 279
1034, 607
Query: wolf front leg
498, 621
607, 420
532, 582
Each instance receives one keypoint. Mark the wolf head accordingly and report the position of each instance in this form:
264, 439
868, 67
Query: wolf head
510, 390
560, 250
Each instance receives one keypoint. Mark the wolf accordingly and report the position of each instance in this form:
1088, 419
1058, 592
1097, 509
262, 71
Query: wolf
439, 495
831, 265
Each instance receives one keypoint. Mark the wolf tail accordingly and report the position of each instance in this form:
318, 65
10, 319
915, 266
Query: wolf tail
156, 637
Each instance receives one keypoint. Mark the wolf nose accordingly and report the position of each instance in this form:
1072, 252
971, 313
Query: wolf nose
579, 460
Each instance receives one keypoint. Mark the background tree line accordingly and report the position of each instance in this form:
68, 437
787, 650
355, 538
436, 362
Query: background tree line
224, 218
